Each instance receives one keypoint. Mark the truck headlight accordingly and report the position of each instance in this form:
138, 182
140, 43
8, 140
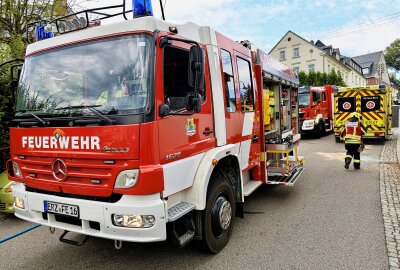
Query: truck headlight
16, 170
19, 202
133, 221
127, 179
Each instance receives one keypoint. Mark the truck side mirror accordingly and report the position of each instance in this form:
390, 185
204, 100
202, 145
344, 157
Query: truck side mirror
193, 102
196, 68
164, 110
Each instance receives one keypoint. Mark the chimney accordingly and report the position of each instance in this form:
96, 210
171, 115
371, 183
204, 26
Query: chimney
312, 42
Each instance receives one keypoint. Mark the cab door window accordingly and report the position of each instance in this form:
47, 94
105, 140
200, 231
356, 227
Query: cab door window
245, 85
176, 75
316, 96
228, 79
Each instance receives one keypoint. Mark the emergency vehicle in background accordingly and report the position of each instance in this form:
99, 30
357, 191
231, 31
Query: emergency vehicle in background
374, 105
205, 121
315, 109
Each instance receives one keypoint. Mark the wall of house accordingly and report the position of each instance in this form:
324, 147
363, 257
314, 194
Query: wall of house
309, 57
382, 73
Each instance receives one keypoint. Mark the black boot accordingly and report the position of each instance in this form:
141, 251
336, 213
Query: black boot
347, 162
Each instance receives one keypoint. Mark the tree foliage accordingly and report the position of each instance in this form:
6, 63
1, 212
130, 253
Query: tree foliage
320, 79
392, 55
16, 14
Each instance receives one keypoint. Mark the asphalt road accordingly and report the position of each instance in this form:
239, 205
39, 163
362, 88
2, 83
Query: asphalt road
331, 219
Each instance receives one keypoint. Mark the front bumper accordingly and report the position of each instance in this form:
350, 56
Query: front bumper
307, 125
98, 213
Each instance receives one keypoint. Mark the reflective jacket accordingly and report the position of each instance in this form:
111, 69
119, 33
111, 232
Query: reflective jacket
353, 132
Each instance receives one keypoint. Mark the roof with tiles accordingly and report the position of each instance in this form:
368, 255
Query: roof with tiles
370, 61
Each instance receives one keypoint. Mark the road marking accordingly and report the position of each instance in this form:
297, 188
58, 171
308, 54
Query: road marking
19, 233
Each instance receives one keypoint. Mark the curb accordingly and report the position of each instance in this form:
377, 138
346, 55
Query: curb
389, 184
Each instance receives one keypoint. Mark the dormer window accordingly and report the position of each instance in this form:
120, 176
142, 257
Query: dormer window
365, 70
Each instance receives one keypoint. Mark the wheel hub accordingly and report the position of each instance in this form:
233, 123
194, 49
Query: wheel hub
225, 215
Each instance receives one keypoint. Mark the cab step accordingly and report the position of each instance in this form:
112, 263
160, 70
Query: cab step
179, 210
73, 242
286, 180
250, 187
182, 230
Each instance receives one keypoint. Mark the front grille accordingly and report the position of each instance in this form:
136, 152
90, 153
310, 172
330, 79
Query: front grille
94, 225
79, 171
68, 220
112, 199
72, 220
2, 206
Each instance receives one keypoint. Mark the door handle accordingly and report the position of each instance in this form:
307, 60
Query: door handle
255, 138
208, 131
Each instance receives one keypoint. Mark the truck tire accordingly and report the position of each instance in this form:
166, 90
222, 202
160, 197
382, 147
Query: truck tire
319, 130
218, 216
322, 128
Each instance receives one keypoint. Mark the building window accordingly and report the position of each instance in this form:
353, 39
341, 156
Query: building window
296, 52
329, 68
282, 56
365, 70
311, 67
359, 81
296, 70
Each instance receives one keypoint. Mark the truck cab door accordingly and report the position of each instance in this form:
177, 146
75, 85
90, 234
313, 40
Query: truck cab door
184, 137
250, 132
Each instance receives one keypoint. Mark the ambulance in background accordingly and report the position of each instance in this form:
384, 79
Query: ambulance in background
373, 103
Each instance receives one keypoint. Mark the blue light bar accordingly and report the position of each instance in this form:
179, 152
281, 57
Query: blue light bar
41, 33
381, 86
142, 8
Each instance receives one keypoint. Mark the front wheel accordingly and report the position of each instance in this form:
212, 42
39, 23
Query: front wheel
217, 217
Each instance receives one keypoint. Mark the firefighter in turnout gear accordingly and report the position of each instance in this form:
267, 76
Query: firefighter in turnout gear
352, 136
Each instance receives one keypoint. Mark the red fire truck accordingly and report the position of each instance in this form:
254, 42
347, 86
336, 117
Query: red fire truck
143, 129
316, 109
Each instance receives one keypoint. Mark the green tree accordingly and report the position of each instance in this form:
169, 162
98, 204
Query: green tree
303, 78
339, 80
318, 81
324, 79
332, 77
392, 55
311, 78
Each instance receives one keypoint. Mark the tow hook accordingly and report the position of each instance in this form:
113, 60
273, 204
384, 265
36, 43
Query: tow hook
118, 244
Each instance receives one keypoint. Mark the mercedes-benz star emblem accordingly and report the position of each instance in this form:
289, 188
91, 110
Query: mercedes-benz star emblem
59, 170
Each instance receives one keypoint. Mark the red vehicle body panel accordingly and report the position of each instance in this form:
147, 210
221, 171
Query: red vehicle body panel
324, 106
234, 130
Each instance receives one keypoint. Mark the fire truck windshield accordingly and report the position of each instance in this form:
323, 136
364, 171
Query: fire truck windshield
304, 99
113, 75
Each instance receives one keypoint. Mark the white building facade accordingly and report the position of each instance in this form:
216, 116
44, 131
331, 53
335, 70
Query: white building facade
303, 55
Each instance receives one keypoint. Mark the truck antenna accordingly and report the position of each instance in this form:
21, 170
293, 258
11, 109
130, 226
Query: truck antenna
162, 10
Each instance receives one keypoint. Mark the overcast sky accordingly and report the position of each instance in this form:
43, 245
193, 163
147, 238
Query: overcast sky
355, 27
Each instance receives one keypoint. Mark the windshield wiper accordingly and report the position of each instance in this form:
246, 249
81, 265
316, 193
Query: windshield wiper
44, 123
91, 108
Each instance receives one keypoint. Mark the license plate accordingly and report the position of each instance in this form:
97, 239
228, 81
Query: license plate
61, 208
